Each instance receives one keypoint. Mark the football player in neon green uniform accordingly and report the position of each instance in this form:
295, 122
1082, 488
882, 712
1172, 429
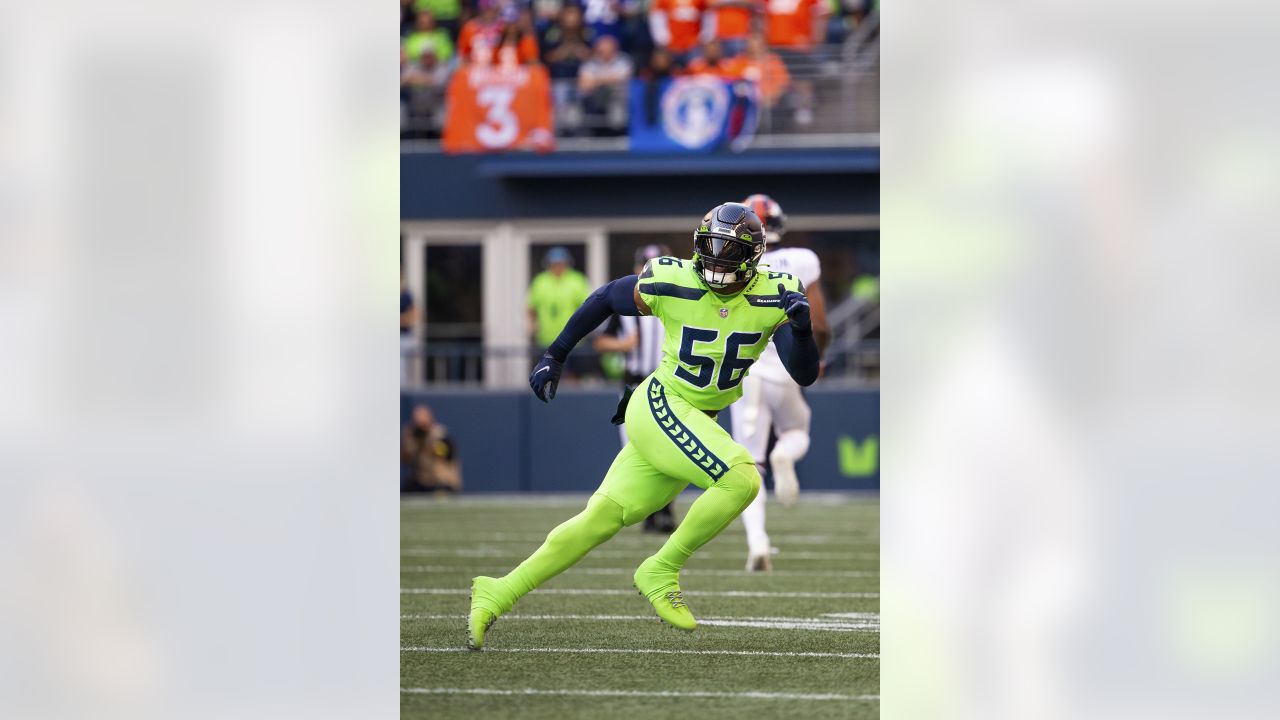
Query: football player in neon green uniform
719, 312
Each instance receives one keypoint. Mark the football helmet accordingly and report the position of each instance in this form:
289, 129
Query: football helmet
770, 213
727, 245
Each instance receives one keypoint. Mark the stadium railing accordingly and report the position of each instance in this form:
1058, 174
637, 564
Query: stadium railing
851, 361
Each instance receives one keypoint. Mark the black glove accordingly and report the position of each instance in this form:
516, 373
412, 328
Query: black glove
545, 377
796, 306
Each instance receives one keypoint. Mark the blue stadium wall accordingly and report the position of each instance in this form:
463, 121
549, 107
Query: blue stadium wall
617, 184
509, 441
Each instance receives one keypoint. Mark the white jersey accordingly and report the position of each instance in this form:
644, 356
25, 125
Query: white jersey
802, 263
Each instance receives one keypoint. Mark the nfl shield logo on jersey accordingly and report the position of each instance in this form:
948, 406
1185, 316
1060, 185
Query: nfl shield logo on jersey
724, 312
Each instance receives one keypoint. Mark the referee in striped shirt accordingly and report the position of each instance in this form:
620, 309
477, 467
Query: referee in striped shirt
641, 339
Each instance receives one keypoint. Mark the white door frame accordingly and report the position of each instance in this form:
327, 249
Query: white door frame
504, 263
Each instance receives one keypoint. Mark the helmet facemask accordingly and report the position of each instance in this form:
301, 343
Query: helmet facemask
723, 261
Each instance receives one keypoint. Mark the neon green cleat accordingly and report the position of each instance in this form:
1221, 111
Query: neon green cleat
660, 585
489, 600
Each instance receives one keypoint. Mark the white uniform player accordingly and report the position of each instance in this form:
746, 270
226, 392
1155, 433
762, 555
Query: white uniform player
770, 398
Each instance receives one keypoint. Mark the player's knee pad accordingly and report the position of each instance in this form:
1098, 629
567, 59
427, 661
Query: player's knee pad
742, 479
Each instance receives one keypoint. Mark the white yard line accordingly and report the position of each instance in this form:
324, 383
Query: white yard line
648, 651
628, 571
636, 554
866, 499
869, 622
701, 593
755, 695
781, 540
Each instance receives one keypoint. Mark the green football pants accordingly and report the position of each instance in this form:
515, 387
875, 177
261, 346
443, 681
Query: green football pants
670, 445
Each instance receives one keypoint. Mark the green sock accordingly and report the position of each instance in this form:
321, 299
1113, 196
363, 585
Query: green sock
568, 543
710, 513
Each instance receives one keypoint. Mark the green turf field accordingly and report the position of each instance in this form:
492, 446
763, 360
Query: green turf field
802, 641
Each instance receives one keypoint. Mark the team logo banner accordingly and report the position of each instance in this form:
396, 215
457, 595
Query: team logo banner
499, 108
696, 113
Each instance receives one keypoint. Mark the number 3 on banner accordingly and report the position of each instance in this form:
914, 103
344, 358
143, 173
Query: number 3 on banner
500, 126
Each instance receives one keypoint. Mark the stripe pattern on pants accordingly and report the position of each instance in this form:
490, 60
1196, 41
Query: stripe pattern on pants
683, 438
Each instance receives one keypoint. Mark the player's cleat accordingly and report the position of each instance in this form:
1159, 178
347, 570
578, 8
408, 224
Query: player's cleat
489, 599
660, 585
786, 487
759, 562
479, 624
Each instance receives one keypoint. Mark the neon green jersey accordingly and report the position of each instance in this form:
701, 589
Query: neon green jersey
711, 339
554, 299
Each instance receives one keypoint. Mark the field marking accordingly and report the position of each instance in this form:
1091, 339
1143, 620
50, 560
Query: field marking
518, 501
650, 651
869, 623
700, 593
630, 571
781, 539
636, 554
644, 693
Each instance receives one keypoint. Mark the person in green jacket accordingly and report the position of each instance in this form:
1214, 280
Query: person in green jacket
446, 12
554, 295
427, 37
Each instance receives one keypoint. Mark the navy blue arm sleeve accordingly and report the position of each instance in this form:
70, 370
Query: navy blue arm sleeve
616, 297
799, 353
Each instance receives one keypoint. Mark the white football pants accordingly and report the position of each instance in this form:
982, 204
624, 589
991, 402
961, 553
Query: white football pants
768, 404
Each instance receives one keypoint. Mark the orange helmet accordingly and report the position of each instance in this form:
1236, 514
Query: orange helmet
770, 214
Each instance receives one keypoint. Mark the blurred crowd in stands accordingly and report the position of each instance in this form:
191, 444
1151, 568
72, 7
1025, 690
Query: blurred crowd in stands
593, 50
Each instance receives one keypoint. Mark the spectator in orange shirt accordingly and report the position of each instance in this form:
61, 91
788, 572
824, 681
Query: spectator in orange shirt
676, 25
795, 24
761, 67
517, 47
484, 29
731, 22
712, 62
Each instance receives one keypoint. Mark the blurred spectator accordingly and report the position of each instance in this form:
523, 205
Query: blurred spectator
603, 82
545, 13
730, 21
422, 90
428, 38
711, 62
408, 318
761, 67
446, 13
483, 30
675, 26
428, 455
407, 16
517, 46
796, 25
554, 295
604, 17
566, 44
661, 68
